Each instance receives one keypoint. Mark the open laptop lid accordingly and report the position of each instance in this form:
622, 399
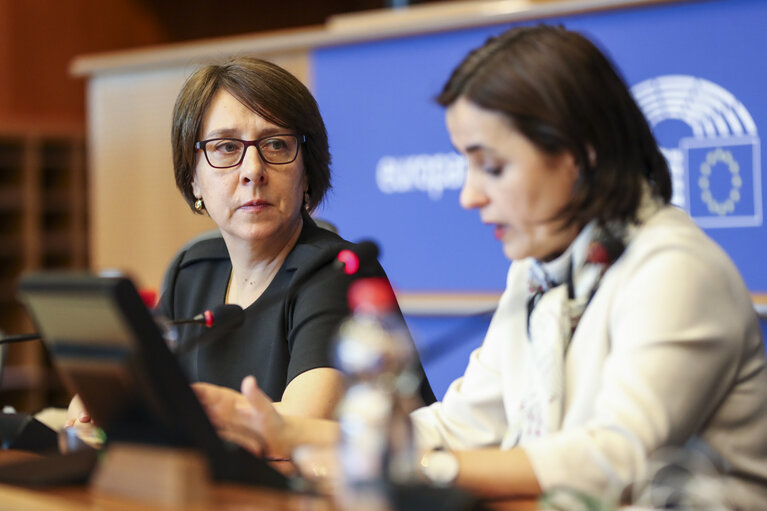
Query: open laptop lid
109, 349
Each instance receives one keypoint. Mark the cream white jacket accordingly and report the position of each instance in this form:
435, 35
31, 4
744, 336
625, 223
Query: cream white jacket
668, 350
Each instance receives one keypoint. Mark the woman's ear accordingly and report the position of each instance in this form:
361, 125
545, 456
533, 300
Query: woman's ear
305, 180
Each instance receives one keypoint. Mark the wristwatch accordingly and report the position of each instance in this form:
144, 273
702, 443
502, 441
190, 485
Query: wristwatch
439, 467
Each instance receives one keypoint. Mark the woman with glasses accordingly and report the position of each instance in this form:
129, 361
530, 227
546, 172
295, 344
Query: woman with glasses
250, 150
624, 332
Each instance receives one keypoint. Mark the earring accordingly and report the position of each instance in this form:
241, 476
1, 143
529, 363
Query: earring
199, 205
592, 154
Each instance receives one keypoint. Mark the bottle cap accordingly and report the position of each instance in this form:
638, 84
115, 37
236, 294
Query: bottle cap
371, 295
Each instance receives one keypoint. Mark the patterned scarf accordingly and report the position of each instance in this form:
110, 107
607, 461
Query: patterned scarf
560, 291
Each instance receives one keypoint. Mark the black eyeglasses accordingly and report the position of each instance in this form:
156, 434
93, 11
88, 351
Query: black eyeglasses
224, 153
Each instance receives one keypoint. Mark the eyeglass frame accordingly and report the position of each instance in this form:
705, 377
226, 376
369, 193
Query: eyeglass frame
300, 139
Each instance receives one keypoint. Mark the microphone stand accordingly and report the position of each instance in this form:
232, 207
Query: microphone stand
20, 338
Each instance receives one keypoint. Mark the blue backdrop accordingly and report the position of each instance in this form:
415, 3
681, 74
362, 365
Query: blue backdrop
694, 68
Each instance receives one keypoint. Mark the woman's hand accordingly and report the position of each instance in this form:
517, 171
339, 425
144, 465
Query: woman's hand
76, 413
248, 419
80, 421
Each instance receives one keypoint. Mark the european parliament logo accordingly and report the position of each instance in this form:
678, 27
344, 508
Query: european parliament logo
711, 143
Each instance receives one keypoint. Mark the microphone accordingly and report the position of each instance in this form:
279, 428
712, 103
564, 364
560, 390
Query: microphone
223, 317
349, 261
20, 338
226, 314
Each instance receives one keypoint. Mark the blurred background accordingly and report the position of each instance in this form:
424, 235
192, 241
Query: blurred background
87, 88
39, 39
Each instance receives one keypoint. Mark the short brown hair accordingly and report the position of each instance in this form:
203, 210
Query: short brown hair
268, 90
563, 94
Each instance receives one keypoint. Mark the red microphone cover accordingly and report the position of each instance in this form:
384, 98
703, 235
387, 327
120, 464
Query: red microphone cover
208, 315
351, 261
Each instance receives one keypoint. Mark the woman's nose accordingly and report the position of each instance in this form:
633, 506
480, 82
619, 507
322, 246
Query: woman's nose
252, 167
472, 196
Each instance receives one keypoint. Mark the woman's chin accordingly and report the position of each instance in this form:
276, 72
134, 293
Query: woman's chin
262, 232
513, 251
253, 233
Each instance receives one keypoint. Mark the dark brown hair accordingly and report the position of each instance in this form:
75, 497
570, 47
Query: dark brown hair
269, 91
563, 94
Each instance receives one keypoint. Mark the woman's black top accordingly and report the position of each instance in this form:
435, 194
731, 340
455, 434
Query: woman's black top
288, 330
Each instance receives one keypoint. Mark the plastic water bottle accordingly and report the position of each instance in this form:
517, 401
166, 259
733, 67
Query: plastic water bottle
375, 352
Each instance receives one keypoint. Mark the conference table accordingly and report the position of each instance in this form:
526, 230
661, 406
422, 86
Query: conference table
221, 497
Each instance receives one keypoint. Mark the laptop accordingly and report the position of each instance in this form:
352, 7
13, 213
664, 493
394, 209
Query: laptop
109, 349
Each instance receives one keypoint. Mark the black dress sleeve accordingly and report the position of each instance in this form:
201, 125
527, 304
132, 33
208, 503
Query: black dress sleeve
313, 317
319, 307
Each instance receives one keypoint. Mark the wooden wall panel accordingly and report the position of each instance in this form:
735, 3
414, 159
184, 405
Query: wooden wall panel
5, 56
38, 39
138, 218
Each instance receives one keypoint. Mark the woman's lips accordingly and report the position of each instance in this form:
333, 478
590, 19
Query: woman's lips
255, 205
498, 232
